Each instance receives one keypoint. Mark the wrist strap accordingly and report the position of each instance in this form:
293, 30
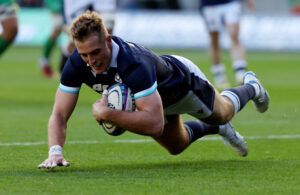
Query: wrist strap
55, 150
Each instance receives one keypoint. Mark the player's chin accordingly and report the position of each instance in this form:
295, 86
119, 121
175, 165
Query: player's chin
98, 70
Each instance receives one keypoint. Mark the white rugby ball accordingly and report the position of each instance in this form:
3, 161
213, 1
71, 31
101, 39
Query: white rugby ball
119, 97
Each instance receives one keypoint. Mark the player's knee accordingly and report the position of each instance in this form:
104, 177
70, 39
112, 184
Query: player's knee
219, 118
224, 119
223, 112
175, 150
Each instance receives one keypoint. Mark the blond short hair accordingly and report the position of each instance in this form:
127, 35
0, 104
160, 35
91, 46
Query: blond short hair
88, 23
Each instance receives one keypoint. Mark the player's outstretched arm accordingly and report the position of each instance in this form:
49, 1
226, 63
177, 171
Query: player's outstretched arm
57, 128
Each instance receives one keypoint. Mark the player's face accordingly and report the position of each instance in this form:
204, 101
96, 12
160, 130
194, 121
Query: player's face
96, 53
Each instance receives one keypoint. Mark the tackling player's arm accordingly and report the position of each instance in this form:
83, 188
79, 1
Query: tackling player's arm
57, 128
147, 120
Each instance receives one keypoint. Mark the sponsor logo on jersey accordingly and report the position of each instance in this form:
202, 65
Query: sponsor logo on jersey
100, 87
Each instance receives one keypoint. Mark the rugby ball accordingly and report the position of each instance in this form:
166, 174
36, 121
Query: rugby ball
119, 97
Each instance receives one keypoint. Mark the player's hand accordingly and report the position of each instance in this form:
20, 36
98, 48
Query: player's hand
54, 161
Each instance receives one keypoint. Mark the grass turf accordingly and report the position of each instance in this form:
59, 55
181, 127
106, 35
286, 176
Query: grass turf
103, 164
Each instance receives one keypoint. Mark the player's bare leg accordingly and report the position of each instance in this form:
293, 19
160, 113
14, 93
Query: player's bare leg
44, 63
217, 68
175, 137
10, 30
239, 63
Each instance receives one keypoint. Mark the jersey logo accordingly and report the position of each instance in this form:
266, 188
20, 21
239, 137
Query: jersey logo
99, 87
118, 78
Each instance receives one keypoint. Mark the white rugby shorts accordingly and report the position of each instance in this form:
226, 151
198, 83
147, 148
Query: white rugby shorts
7, 11
57, 20
219, 15
191, 103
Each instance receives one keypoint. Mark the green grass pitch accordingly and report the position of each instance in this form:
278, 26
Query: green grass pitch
132, 164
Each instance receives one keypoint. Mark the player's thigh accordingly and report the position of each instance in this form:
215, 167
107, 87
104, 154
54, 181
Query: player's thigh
10, 23
232, 17
10, 28
232, 12
175, 137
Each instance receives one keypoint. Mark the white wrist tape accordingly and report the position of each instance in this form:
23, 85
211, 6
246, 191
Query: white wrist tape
55, 150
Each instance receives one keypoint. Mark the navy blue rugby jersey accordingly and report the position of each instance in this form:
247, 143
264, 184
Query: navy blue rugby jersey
135, 66
214, 2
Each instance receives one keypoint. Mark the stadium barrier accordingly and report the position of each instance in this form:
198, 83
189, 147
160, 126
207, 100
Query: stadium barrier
179, 30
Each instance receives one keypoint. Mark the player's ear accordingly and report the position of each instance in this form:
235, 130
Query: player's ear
108, 41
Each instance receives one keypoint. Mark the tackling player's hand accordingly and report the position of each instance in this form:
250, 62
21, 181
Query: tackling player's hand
54, 159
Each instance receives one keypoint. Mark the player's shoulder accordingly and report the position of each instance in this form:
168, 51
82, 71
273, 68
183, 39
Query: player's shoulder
134, 68
124, 46
128, 47
125, 57
132, 56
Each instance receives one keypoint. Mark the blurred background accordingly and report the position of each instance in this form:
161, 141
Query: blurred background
273, 25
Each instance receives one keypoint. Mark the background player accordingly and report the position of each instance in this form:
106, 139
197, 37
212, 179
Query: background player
55, 7
9, 24
219, 13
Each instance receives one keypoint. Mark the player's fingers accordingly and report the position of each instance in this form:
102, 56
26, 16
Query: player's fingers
65, 163
41, 166
105, 93
44, 164
53, 165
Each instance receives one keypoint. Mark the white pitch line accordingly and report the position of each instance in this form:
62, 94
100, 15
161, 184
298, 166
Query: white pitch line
267, 137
